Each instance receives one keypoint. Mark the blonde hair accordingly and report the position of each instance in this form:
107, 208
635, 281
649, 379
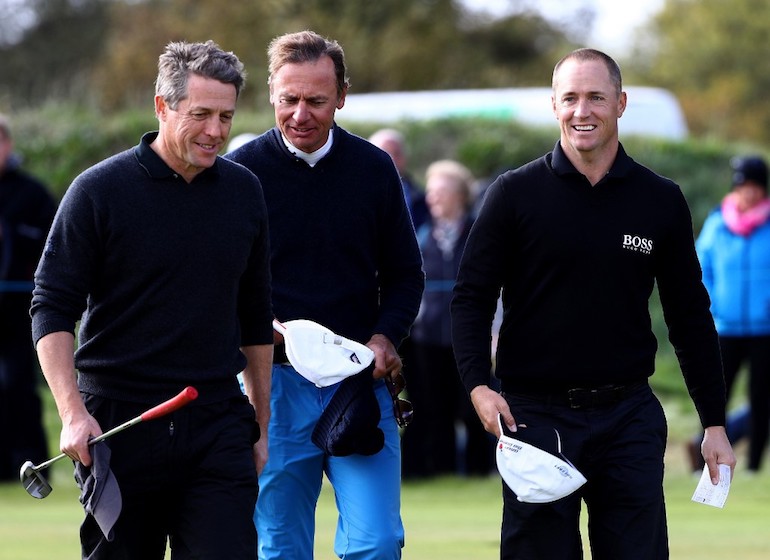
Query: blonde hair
457, 172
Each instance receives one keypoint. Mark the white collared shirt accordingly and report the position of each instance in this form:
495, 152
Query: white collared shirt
314, 157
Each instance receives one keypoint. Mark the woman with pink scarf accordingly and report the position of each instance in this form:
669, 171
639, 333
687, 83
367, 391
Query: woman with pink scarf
734, 250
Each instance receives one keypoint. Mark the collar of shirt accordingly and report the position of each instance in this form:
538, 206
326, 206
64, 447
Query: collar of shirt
561, 164
314, 157
154, 165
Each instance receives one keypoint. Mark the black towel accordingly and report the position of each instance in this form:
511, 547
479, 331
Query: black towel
99, 490
349, 424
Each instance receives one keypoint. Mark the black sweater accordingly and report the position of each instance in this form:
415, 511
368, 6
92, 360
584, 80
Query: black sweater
343, 249
173, 277
577, 265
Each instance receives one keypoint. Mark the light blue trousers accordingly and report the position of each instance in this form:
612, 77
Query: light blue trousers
367, 489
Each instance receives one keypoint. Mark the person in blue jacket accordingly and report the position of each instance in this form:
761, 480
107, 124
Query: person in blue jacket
734, 251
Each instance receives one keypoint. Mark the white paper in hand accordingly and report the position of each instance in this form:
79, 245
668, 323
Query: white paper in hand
710, 494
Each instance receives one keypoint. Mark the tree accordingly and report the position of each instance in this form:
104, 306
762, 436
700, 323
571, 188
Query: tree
107, 50
54, 50
712, 54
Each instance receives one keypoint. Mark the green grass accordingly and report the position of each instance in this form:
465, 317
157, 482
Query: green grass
448, 518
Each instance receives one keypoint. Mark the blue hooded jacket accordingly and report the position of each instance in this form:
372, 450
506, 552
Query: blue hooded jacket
736, 273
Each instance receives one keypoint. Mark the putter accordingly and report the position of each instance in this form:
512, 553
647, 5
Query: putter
38, 487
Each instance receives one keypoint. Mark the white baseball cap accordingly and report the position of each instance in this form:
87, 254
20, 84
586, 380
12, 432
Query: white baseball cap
321, 356
529, 468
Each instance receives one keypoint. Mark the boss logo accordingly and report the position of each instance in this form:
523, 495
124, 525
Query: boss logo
637, 243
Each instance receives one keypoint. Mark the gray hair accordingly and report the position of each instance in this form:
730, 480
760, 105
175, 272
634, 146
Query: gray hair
180, 59
456, 172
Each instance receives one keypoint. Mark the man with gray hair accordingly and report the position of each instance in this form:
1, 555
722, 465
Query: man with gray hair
163, 251
393, 142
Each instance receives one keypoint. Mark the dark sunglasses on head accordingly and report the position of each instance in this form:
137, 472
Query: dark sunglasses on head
402, 409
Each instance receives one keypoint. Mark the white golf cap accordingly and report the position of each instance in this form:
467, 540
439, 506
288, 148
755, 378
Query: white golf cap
321, 356
535, 475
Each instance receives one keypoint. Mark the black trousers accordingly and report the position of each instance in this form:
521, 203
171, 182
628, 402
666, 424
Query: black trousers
188, 477
22, 436
619, 448
753, 351
431, 445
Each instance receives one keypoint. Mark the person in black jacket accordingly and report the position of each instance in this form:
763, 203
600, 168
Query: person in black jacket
26, 211
162, 253
576, 240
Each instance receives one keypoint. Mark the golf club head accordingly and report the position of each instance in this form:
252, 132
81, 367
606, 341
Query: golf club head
33, 481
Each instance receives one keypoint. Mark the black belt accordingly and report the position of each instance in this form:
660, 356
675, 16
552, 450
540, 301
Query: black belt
580, 397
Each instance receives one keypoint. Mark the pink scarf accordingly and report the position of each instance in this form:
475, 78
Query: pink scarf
744, 223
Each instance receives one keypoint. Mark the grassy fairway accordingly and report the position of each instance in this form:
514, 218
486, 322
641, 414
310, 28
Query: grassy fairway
447, 518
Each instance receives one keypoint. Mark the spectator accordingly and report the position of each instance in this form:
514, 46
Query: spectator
343, 254
26, 212
734, 251
446, 436
163, 250
392, 141
577, 240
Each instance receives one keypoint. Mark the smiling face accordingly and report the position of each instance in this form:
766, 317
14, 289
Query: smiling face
587, 105
305, 98
192, 135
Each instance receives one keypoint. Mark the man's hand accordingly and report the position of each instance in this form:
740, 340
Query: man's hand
488, 405
77, 430
716, 451
387, 362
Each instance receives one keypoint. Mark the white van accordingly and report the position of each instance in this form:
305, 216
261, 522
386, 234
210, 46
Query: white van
650, 112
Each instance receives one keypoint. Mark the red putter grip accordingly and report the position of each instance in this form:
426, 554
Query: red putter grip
187, 395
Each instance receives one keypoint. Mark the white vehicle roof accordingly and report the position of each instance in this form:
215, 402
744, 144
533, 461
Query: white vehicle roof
650, 111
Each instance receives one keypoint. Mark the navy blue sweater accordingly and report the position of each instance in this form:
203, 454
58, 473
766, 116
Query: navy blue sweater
173, 277
577, 265
343, 249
